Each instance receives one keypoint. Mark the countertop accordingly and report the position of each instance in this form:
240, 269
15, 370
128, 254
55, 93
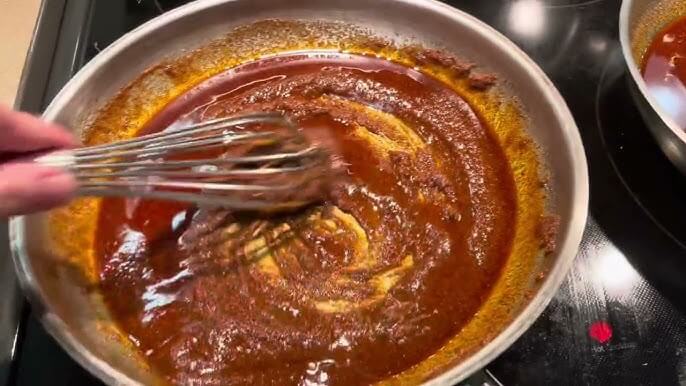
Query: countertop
17, 21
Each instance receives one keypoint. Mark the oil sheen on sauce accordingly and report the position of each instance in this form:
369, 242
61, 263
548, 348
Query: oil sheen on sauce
349, 291
664, 70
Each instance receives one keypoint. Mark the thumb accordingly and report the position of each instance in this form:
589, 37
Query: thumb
29, 188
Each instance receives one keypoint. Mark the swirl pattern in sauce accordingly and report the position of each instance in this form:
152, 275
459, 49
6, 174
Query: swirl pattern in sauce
351, 291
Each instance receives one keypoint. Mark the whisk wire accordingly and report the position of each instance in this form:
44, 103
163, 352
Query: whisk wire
251, 162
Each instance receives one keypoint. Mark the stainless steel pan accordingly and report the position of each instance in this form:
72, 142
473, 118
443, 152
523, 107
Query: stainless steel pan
76, 317
639, 21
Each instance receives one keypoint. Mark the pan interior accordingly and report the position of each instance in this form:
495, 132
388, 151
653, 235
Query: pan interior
647, 19
73, 230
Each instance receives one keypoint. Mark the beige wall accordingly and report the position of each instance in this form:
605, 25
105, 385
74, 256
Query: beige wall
17, 19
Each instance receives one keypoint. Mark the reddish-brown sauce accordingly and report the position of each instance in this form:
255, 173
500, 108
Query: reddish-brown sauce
350, 291
664, 70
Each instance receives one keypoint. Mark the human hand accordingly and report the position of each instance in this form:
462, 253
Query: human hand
26, 187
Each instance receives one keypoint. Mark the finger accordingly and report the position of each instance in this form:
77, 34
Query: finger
28, 188
23, 132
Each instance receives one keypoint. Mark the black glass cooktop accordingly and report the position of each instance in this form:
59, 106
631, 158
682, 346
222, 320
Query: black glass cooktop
617, 320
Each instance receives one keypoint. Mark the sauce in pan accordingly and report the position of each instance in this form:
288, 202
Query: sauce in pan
664, 70
350, 291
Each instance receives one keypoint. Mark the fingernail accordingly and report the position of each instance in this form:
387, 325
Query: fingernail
48, 173
58, 180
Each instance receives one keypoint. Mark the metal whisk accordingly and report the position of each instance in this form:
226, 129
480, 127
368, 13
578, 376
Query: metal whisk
252, 162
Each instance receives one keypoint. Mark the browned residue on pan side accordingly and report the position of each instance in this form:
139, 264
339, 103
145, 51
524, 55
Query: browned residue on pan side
658, 15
